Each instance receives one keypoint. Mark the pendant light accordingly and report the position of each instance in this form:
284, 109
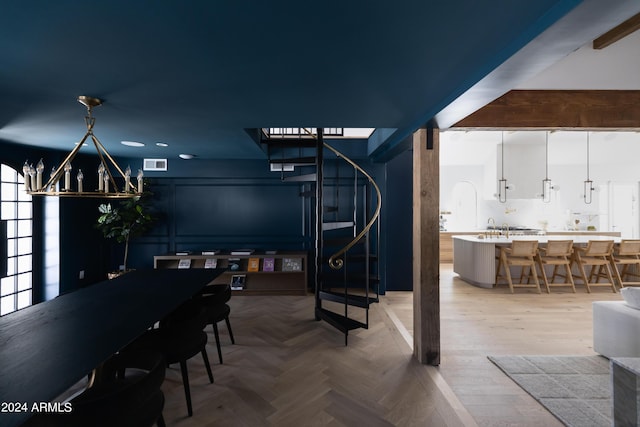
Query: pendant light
107, 186
588, 183
502, 182
546, 182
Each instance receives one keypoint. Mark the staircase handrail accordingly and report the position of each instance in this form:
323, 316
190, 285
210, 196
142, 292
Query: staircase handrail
335, 261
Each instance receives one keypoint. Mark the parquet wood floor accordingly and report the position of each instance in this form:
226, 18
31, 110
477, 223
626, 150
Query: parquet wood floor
286, 369
289, 370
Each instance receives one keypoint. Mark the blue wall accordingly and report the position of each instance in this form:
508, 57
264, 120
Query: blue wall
221, 204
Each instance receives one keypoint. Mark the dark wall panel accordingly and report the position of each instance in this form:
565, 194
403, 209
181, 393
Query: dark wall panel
231, 210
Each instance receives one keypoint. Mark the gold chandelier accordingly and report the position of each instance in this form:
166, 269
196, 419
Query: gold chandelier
61, 175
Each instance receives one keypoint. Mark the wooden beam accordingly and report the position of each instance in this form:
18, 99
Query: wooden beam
554, 109
629, 26
426, 245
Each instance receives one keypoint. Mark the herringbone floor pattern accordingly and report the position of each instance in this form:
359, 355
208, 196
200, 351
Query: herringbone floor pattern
286, 369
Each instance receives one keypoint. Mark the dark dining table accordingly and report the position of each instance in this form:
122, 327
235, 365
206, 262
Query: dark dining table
48, 347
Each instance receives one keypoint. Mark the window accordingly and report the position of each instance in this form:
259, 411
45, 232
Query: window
16, 212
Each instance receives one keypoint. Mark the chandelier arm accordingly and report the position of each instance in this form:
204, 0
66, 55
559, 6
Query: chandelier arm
102, 152
106, 153
60, 169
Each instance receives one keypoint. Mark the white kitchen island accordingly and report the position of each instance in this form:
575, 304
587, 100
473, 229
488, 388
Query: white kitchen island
475, 256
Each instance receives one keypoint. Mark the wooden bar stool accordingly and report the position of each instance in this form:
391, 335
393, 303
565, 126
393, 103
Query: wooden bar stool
522, 253
597, 254
627, 254
557, 253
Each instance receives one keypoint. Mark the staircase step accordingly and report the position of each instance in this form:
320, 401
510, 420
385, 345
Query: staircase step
339, 321
336, 225
296, 161
290, 142
350, 299
310, 177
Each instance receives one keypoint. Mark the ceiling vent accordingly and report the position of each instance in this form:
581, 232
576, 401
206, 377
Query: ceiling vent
154, 164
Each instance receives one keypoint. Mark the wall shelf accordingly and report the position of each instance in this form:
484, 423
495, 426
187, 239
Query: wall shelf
276, 282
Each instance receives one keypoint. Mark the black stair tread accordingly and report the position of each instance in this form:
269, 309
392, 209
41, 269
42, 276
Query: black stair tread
336, 225
339, 321
309, 160
310, 177
351, 299
290, 142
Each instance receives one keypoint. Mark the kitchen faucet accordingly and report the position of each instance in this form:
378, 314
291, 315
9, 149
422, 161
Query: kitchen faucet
505, 225
492, 223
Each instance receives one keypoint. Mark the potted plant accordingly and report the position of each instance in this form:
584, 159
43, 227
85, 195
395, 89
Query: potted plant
131, 218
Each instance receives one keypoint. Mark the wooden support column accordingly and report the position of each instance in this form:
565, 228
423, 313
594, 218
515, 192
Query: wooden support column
426, 245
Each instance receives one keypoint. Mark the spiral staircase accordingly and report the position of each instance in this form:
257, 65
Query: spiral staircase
343, 205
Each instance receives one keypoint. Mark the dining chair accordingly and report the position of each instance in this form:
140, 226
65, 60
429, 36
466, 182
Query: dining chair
179, 337
627, 255
556, 253
214, 299
128, 394
597, 256
521, 253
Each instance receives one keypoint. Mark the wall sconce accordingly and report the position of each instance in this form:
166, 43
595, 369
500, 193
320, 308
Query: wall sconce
588, 183
502, 182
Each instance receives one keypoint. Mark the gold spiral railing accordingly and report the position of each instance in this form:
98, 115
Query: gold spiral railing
335, 260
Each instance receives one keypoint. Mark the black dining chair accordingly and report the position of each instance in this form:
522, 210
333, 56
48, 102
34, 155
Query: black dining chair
214, 299
179, 337
128, 394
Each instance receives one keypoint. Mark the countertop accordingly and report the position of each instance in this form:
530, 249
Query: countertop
501, 240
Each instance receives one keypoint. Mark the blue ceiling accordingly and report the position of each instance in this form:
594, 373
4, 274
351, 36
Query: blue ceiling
196, 74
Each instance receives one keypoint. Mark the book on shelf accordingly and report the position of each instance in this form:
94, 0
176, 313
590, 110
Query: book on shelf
270, 252
238, 282
184, 263
253, 264
291, 264
268, 264
211, 263
211, 252
242, 252
183, 253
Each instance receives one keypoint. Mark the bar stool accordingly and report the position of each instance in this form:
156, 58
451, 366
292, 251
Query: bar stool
627, 254
597, 254
557, 253
522, 253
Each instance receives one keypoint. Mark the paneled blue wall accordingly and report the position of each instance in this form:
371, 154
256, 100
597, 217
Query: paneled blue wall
221, 204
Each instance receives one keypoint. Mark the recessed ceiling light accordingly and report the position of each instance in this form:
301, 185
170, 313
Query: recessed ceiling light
186, 156
132, 143
84, 144
162, 144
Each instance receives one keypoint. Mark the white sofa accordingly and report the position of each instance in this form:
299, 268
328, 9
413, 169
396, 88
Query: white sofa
616, 326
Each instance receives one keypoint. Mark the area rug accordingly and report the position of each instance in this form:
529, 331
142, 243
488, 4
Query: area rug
575, 389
